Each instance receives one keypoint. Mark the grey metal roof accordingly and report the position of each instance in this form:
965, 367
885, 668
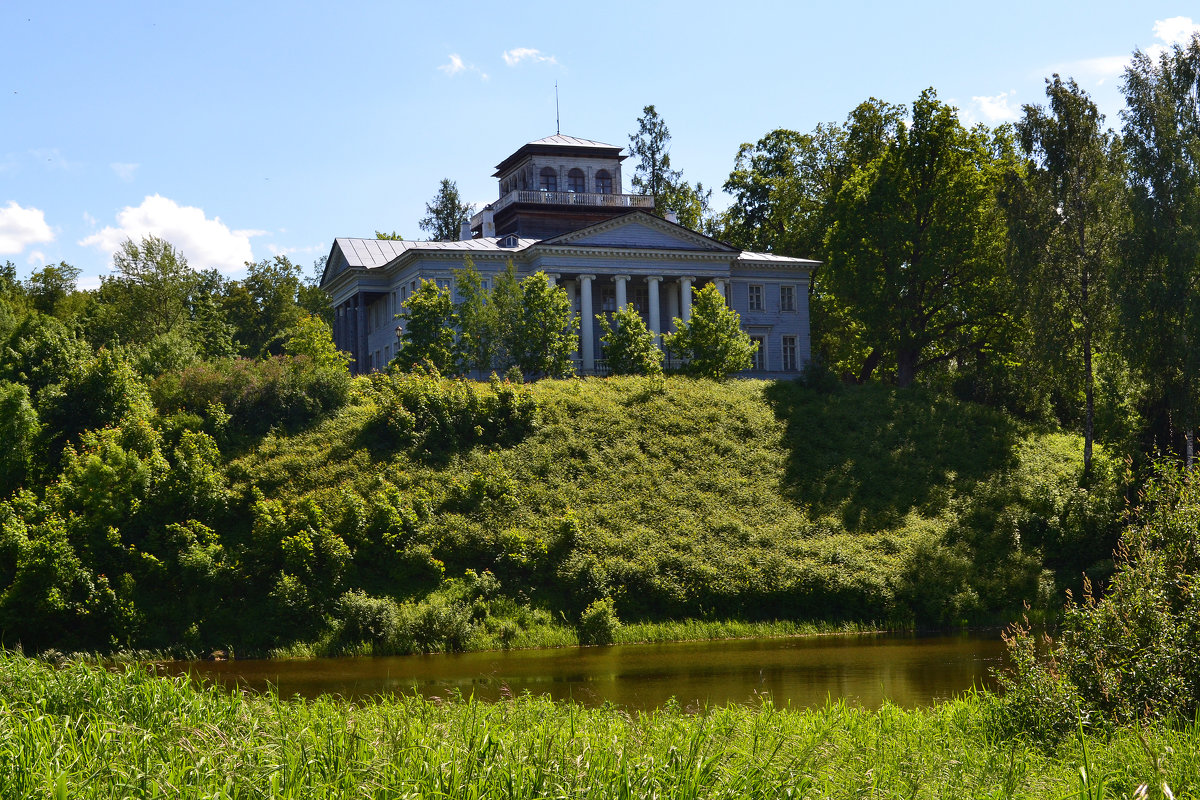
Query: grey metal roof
371, 253
572, 141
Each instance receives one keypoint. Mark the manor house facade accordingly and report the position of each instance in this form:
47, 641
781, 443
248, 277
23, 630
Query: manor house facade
562, 211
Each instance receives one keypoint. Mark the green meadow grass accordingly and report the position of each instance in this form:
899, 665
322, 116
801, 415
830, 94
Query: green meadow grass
86, 732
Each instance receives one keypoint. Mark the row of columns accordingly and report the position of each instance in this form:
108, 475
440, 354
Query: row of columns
679, 305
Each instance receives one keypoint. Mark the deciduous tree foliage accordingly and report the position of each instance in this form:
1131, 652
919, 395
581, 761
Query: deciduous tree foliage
629, 347
427, 329
1065, 220
915, 251
1159, 292
711, 340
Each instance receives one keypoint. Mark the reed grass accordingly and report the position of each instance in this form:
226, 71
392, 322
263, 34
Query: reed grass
83, 731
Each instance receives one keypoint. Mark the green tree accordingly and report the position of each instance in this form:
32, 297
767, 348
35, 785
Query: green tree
535, 329
629, 347
915, 252
546, 332
651, 146
477, 324
1065, 214
146, 296
263, 307
445, 213
391, 237
712, 340
1159, 290
313, 338
51, 288
19, 430
427, 329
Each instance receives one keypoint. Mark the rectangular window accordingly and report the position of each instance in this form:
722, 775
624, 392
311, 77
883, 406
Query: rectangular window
759, 354
787, 298
378, 359
754, 298
789, 354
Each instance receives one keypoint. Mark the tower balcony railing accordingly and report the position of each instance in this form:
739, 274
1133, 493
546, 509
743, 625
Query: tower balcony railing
593, 199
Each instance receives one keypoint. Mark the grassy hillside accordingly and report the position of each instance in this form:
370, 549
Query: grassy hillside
748, 499
428, 514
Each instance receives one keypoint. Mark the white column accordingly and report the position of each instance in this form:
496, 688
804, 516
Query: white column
587, 351
652, 299
572, 290
552, 278
685, 289
620, 279
720, 284
672, 304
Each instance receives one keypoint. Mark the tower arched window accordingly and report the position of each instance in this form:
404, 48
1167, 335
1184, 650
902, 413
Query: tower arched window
603, 182
549, 180
575, 181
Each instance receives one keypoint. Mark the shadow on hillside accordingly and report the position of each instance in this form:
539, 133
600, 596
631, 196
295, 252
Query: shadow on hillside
871, 454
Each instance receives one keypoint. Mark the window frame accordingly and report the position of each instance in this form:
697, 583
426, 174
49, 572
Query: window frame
786, 343
790, 306
754, 292
602, 182
548, 179
576, 178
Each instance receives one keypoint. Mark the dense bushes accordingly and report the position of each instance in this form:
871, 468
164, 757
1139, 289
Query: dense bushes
575, 503
285, 392
1132, 653
437, 416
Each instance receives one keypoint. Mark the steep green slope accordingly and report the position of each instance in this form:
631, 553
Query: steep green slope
750, 499
430, 514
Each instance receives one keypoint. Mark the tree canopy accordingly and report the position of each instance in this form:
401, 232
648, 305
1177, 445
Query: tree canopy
444, 214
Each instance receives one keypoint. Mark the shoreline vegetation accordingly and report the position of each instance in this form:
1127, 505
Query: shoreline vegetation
81, 730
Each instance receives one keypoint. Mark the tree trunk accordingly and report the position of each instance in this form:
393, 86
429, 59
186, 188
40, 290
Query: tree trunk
906, 367
1089, 382
1190, 438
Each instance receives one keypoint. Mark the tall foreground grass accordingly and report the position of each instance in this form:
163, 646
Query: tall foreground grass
85, 732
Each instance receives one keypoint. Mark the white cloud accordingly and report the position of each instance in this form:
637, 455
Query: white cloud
519, 54
457, 65
36, 257
996, 108
206, 242
20, 227
1176, 30
124, 171
1172, 31
89, 219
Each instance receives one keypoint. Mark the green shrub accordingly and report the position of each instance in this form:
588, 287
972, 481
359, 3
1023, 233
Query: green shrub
368, 619
598, 623
287, 392
1132, 653
433, 415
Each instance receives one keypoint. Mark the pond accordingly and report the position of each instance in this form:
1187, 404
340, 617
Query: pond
866, 670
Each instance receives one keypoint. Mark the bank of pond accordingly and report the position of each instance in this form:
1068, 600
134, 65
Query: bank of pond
81, 730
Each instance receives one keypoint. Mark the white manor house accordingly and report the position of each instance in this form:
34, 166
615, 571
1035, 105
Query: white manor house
562, 210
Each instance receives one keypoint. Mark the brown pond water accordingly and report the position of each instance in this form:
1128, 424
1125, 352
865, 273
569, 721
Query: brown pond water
909, 671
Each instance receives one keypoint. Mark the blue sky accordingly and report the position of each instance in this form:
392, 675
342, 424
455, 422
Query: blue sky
242, 130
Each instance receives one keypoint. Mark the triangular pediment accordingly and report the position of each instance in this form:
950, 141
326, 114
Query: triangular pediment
639, 230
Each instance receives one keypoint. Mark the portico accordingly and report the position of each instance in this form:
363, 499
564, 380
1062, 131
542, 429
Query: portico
604, 249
